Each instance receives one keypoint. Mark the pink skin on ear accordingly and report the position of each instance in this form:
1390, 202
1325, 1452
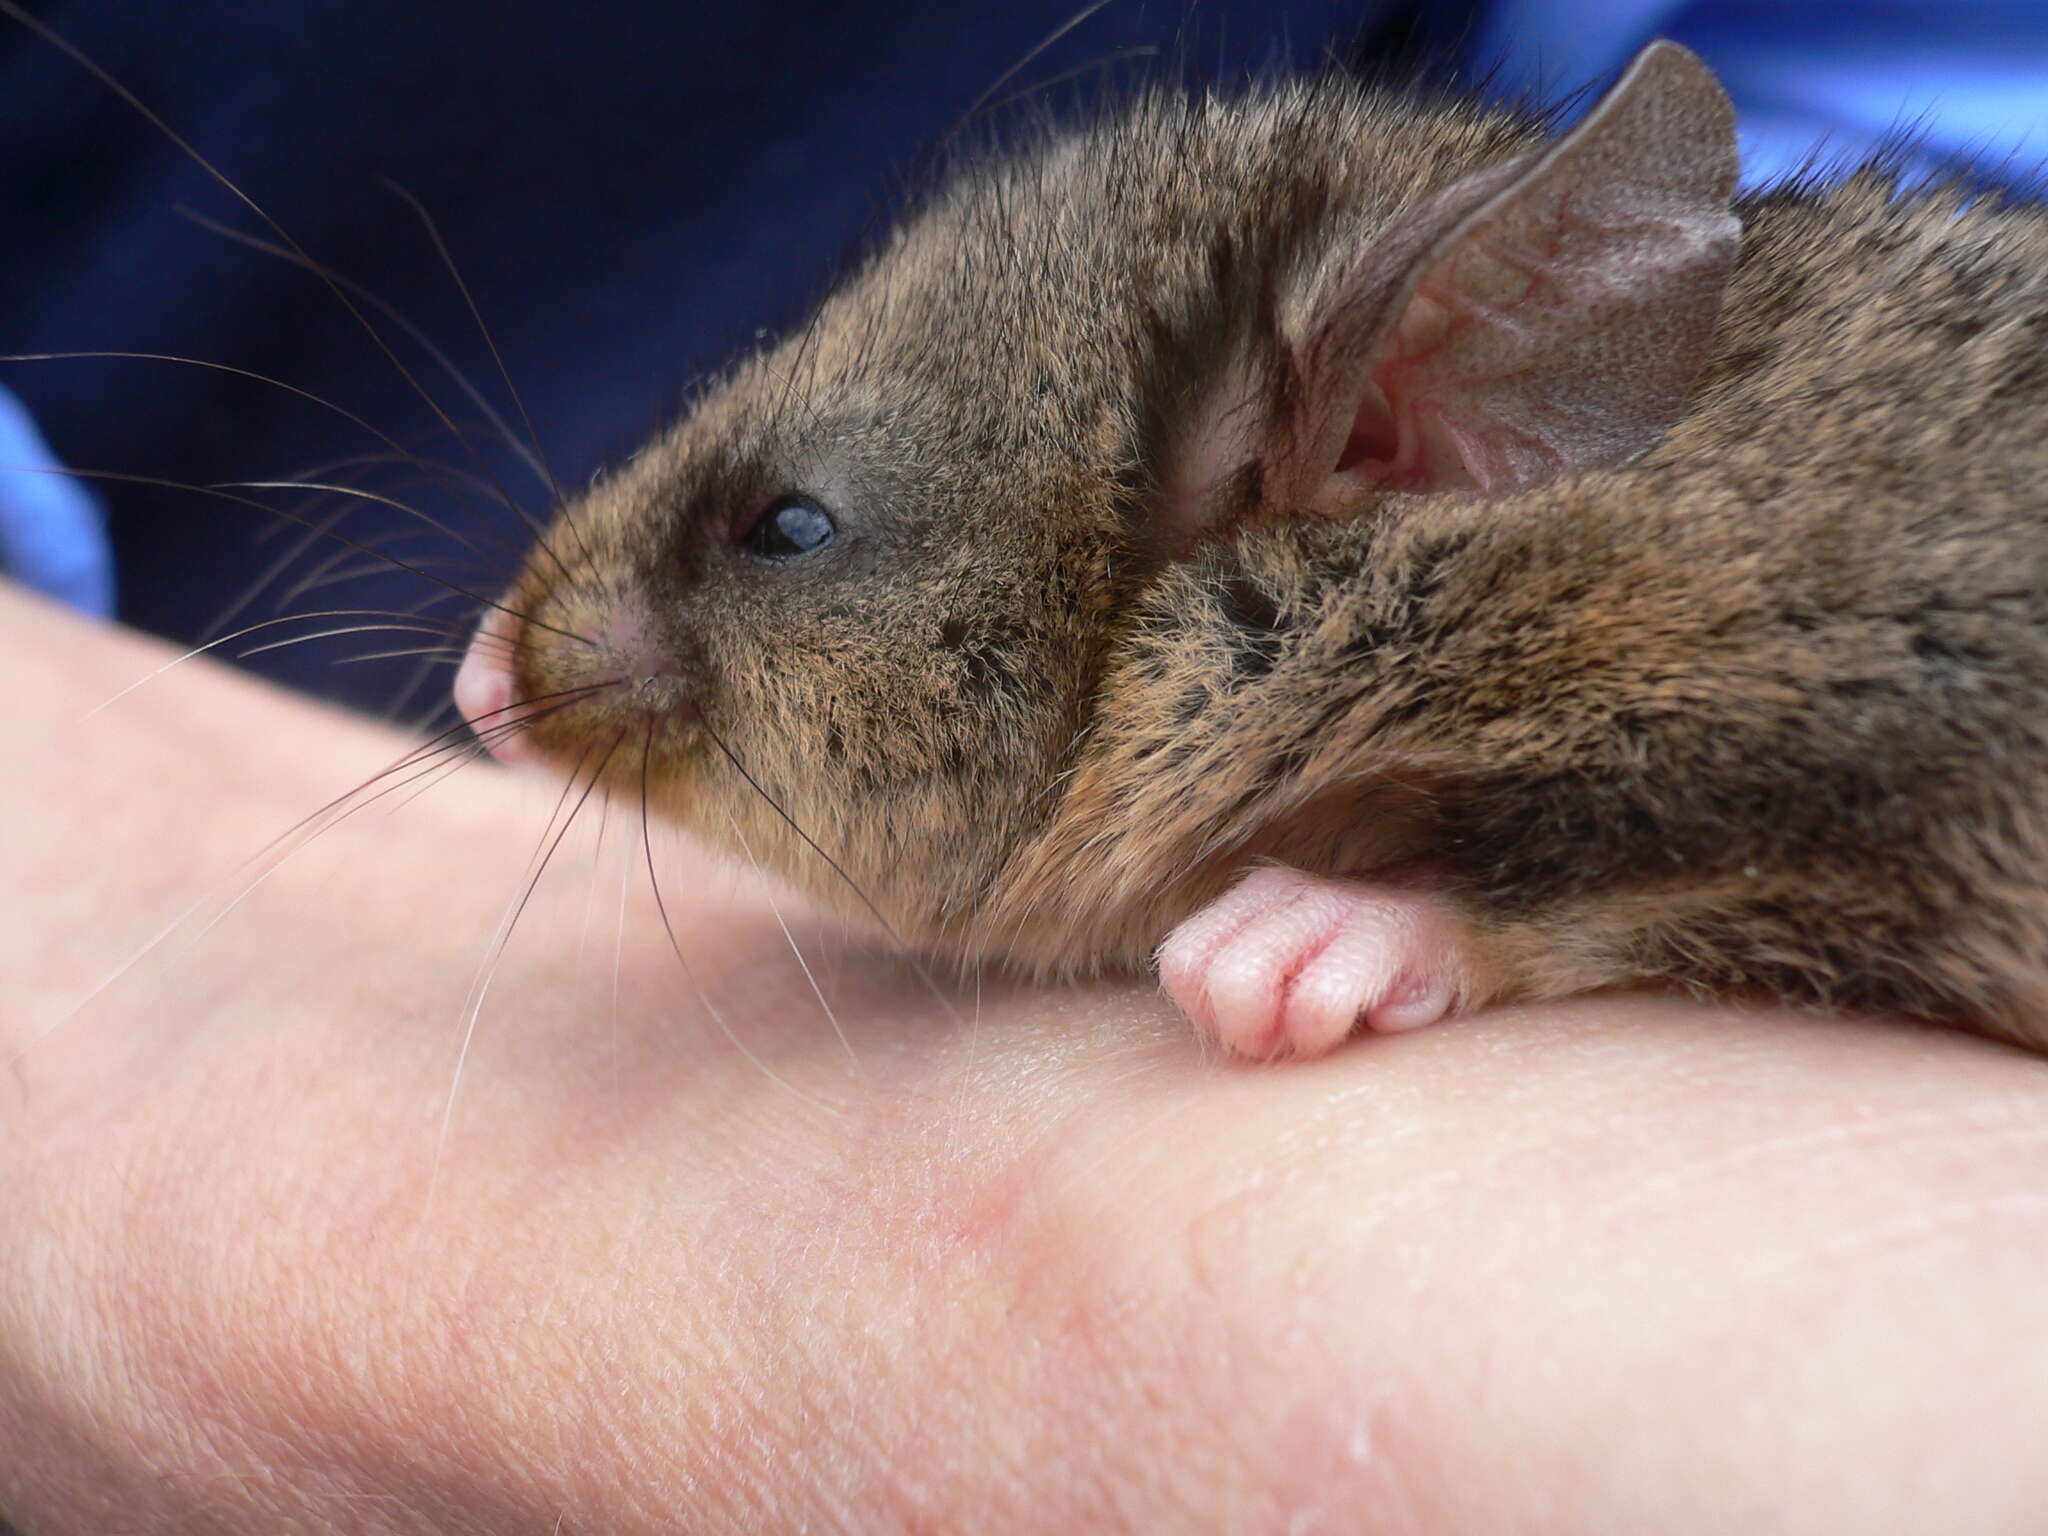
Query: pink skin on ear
1538, 318
1287, 964
484, 690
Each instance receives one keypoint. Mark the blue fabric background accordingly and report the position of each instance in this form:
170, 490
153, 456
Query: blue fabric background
631, 189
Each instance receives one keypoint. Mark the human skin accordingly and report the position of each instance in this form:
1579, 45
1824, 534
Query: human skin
1028, 1261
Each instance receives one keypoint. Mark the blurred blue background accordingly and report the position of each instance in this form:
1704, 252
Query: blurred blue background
632, 190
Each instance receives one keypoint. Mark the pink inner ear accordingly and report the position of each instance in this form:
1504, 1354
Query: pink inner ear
1377, 449
1436, 411
1539, 318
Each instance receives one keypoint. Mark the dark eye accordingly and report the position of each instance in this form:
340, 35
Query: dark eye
791, 527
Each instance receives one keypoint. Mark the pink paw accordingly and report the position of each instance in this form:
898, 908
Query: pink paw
1285, 963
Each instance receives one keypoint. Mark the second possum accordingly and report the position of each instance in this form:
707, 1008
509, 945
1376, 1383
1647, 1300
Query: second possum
1370, 560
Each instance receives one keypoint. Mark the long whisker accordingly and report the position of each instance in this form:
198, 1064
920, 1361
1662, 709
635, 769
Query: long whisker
916, 964
399, 452
356, 493
312, 824
452, 474
618, 956
487, 971
795, 949
412, 332
458, 753
458, 479
503, 645
449, 655
405, 707
335, 572
322, 401
124, 478
452, 763
604, 816
669, 927
184, 146
776, 806
432, 753
540, 457
445, 647
306, 540
290, 251
229, 639
506, 720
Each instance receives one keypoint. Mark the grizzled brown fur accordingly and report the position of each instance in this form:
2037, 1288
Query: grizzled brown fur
1766, 707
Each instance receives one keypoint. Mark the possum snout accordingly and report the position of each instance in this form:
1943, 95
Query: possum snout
526, 685
486, 687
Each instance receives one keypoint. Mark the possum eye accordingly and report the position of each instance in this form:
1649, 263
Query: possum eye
791, 527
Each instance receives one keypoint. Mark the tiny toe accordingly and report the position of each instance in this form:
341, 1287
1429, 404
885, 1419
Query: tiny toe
1187, 959
1370, 962
1245, 987
1219, 966
1323, 1006
1190, 947
1419, 999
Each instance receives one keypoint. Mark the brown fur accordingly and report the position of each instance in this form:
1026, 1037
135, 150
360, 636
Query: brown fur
1763, 708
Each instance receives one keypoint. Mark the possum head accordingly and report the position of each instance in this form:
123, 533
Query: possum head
857, 602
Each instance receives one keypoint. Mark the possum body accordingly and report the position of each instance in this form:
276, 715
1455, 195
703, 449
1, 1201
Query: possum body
1370, 558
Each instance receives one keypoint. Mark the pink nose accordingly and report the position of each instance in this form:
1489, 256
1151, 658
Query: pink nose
485, 688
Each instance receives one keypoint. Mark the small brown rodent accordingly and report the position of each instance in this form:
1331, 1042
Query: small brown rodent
1371, 559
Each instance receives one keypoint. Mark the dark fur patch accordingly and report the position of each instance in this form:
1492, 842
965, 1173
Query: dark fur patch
1257, 628
989, 655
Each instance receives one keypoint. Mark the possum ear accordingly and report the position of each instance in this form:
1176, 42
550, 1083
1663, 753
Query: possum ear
1541, 317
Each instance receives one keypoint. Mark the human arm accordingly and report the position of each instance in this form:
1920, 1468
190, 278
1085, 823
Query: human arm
1622, 1264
